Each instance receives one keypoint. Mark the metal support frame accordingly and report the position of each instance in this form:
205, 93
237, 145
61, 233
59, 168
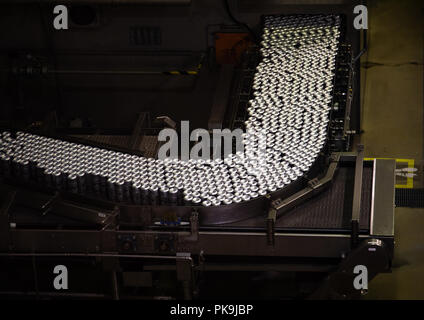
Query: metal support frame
218, 244
65, 207
372, 253
111, 266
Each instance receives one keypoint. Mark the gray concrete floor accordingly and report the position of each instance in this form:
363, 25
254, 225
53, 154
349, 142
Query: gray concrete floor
392, 120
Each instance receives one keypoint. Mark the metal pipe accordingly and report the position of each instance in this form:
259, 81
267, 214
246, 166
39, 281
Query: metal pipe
117, 72
114, 2
86, 255
54, 294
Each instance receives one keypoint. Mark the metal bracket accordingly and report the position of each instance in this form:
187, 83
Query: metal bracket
279, 206
270, 231
184, 266
314, 185
127, 242
165, 243
194, 227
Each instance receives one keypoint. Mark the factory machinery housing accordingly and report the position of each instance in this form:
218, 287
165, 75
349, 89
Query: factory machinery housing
296, 201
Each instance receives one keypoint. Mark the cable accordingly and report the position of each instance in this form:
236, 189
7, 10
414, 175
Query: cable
365, 42
364, 49
252, 33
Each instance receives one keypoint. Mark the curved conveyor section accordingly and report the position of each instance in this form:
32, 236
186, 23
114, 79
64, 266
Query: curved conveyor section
285, 131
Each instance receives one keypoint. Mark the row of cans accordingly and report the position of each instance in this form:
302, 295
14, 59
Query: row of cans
285, 131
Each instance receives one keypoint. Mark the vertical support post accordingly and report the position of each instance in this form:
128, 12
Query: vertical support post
357, 191
111, 266
5, 239
185, 273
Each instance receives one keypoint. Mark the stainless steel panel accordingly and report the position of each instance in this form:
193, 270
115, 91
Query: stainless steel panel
383, 198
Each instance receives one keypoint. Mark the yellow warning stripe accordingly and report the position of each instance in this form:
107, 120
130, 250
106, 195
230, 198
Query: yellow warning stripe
180, 72
411, 164
186, 72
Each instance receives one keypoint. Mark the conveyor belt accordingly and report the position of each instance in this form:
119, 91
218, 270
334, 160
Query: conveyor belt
333, 209
330, 210
412, 198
